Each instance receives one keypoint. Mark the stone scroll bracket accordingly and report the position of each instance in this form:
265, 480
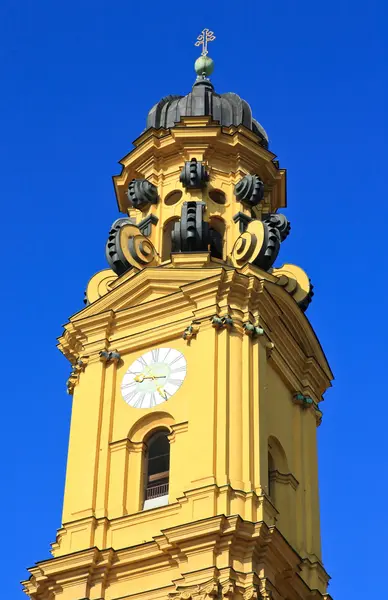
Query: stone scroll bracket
194, 175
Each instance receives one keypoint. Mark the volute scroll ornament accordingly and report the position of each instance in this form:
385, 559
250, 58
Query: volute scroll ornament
141, 193
194, 175
252, 593
99, 285
297, 283
249, 190
210, 590
127, 247
280, 222
191, 233
228, 590
258, 245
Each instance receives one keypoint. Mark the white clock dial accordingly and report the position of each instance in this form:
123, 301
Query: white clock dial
153, 377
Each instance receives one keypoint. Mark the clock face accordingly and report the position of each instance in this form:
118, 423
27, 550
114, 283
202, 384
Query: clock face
153, 378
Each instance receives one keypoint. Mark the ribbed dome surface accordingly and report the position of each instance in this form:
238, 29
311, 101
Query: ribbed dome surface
228, 109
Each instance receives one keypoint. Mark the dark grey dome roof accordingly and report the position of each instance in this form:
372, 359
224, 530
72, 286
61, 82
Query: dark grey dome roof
228, 109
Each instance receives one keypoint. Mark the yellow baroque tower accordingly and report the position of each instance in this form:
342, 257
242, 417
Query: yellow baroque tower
196, 379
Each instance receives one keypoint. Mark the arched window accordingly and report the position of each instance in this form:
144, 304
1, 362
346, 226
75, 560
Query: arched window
167, 241
277, 469
282, 486
157, 470
217, 236
271, 474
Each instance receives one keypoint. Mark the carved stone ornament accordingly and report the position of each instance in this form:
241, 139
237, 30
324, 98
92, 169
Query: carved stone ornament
228, 590
142, 192
127, 247
77, 368
258, 245
252, 593
252, 330
280, 222
307, 402
221, 322
191, 233
249, 190
194, 175
112, 356
209, 590
99, 285
191, 331
296, 282
265, 591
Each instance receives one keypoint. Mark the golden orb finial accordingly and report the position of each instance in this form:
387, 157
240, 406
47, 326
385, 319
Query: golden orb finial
204, 65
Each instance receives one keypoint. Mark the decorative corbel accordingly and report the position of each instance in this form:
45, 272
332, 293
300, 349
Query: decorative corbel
242, 221
210, 590
142, 192
280, 222
77, 368
252, 593
252, 330
221, 322
112, 356
191, 331
191, 232
228, 589
249, 190
306, 402
194, 175
145, 225
269, 347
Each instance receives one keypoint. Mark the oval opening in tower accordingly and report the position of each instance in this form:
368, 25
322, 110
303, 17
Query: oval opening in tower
217, 196
173, 197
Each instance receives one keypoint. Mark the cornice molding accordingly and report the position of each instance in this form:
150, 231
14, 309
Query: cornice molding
263, 545
198, 295
236, 146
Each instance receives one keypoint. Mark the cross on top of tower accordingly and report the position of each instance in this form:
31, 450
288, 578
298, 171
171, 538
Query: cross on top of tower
203, 39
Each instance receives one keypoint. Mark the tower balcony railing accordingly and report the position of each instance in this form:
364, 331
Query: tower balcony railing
154, 491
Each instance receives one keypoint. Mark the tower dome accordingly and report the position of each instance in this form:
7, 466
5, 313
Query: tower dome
227, 109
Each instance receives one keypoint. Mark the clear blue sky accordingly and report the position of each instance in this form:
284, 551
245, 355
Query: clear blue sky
77, 79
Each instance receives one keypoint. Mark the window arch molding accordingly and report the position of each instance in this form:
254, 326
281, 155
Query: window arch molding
279, 458
282, 486
143, 428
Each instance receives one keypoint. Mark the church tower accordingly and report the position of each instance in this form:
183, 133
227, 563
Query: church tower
196, 378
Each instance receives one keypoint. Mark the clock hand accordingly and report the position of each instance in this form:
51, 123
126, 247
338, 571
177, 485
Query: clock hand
162, 392
140, 377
